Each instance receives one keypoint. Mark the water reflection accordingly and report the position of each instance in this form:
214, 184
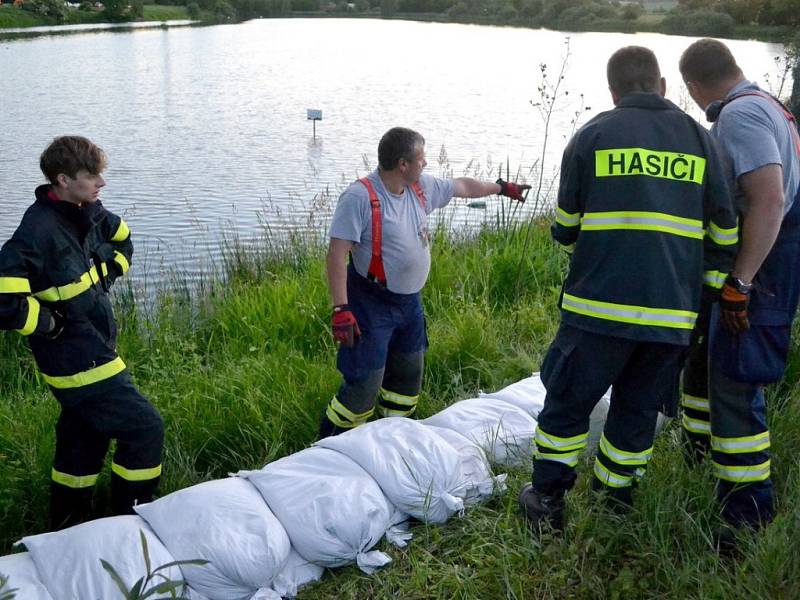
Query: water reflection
206, 128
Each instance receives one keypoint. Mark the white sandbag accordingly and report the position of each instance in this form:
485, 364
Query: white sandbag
68, 561
475, 468
418, 471
503, 430
527, 394
330, 507
227, 523
22, 577
296, 573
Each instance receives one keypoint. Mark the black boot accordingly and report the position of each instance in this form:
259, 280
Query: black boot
69, 506
541, 510
327, 428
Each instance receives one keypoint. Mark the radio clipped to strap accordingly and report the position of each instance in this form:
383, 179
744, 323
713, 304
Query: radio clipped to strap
375, 271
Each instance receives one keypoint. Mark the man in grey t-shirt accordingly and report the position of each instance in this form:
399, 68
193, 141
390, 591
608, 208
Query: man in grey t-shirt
381, 224
747, 336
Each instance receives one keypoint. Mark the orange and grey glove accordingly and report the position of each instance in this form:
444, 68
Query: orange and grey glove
733, 304
512, 190
344, 325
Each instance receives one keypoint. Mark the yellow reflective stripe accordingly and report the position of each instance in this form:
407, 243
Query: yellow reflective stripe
396, 398
570, 458
337, 420
623, 457
14, 285
742, 474
86, 377
554, 442
567, 219
649, 163
644, 221
740, 445
391, 412
722, 237
120, 259
570, 248
609, 478
122, 234
343, 411
695, 402
48, 295
714, 279
695, 425
32, 320
136, 474
74, 481
71, 290
626, 313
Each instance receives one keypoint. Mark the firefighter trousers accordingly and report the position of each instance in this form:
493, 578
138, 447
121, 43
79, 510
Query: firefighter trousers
578, 369
83, 434
385, 363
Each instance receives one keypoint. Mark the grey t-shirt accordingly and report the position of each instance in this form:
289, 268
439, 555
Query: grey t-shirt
405, 251
753, 132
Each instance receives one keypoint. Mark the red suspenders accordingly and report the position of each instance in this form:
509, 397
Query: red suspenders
375, 272
789, 116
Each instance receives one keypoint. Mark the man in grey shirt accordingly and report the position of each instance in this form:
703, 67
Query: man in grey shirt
381, 223
747, 340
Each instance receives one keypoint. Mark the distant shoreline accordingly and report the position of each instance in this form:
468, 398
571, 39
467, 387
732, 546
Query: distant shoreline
157, 15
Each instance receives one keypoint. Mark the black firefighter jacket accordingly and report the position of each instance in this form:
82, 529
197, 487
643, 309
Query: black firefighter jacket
60, 263
644, 200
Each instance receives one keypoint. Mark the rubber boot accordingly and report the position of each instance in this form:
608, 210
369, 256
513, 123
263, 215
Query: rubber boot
69, 506
541, 510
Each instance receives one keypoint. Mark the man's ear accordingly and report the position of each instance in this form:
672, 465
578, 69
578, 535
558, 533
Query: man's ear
62, 180
663, 88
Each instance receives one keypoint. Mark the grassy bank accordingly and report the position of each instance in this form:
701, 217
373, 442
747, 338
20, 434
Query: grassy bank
11, 17
242, 374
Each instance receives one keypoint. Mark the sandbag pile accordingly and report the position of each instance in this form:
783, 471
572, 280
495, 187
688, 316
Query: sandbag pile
266, 533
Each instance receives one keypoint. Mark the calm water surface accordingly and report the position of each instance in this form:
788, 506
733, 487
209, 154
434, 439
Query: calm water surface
206, 128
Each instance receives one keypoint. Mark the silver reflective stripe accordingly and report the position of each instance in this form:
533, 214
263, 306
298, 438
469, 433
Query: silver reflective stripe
567, 219
723, 237
621, 457
696, 425
742, 474
611, 479
740, 445
644, 221
577, 442
570, 459
695, 402
639, 315
714, 279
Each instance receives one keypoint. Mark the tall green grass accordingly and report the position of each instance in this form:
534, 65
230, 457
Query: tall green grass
242, 371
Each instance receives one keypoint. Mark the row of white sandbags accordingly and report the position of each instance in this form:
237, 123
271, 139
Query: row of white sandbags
333, 502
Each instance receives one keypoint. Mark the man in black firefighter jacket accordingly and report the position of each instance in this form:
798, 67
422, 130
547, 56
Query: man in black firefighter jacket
644, 207
55, 274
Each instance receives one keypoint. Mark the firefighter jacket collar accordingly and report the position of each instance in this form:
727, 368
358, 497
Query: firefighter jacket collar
646, 100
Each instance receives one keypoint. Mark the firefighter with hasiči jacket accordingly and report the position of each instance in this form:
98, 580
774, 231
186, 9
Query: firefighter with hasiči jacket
55, 275
644, 207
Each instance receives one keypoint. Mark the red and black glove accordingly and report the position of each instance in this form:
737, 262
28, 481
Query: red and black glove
733, 304
512, 190
344, 325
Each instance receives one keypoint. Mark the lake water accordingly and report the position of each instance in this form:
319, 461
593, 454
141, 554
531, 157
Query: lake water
206, 128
